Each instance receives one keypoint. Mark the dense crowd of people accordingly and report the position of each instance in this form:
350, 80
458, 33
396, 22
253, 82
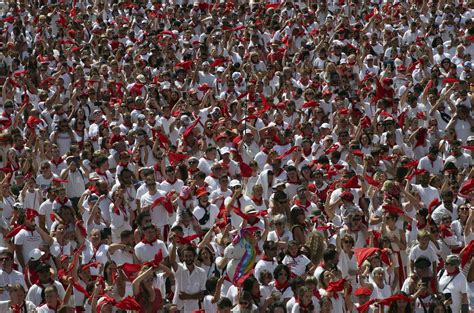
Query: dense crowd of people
236, 156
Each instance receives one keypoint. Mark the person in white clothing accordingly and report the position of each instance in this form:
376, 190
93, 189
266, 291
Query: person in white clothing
190, 279
453, 284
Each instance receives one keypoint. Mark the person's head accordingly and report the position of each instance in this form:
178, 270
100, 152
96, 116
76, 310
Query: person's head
270, 248
330, 257
325, 304
292, 249
150, 232
43, 271
452, 263
378, 274
224, 305
6, 260
17, 293
305, 295
110, 268
245, 301
51, 296
363, 294
189, 255
423, 238
281, 273
437, 306
251, 285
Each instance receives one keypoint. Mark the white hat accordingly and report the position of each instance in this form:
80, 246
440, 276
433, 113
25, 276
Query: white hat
165, 85
369, 57
249, 209
470, 138
94, 176
141, 78
35, 254
234, 183
279, 183
325, 125
220, 69
248, 131
236, 75
224, 150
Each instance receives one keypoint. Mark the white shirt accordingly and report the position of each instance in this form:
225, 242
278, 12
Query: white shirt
12, 278
146, 252
29, 240
159, 215
456, 286
189, 282
34, 293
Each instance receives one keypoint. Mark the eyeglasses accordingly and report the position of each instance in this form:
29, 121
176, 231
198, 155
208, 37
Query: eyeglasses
4, 259
464, 208
278, 223
347, 241
244, 303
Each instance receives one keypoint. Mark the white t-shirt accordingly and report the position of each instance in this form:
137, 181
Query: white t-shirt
146, 252
29, 240
456, 286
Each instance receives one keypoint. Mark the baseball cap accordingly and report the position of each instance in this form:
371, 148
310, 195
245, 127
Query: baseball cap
35, 254
234, 183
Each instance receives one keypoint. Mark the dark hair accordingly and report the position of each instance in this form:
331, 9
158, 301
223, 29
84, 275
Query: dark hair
276, 305
434, 304
189, 248
329, 254
125, 234
280, 268
211, 284
224, 303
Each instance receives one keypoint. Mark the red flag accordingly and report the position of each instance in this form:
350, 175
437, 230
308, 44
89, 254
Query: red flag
336, 286
466, 253
287, 152
450, 80
16, 229
190, 128
467, 187
471, 148
218, 62
371, 181
433, 204
156, 260
310, 104
364, 307
245, 169
416, 172
353, 182
389, 300
176, 158
393, 209
9, 19
131, 270
185, 64
188, 239
363, 254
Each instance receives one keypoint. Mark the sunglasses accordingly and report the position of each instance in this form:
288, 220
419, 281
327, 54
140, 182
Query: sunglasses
244, 303
464, 209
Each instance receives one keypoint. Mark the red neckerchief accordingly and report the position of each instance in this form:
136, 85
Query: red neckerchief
193, 171
265, 150
61, 202
281, 286
16, 308
307, 153
100, 173
95, 251
57, 161
120, 208
453, 273
172, 182
123, 164
148, 242
258, 202
298, 203
266, 258
304, 308
93, 189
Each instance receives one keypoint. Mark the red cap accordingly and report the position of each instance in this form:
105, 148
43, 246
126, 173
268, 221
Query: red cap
362, 291
347, 196
201, 192
387, 81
